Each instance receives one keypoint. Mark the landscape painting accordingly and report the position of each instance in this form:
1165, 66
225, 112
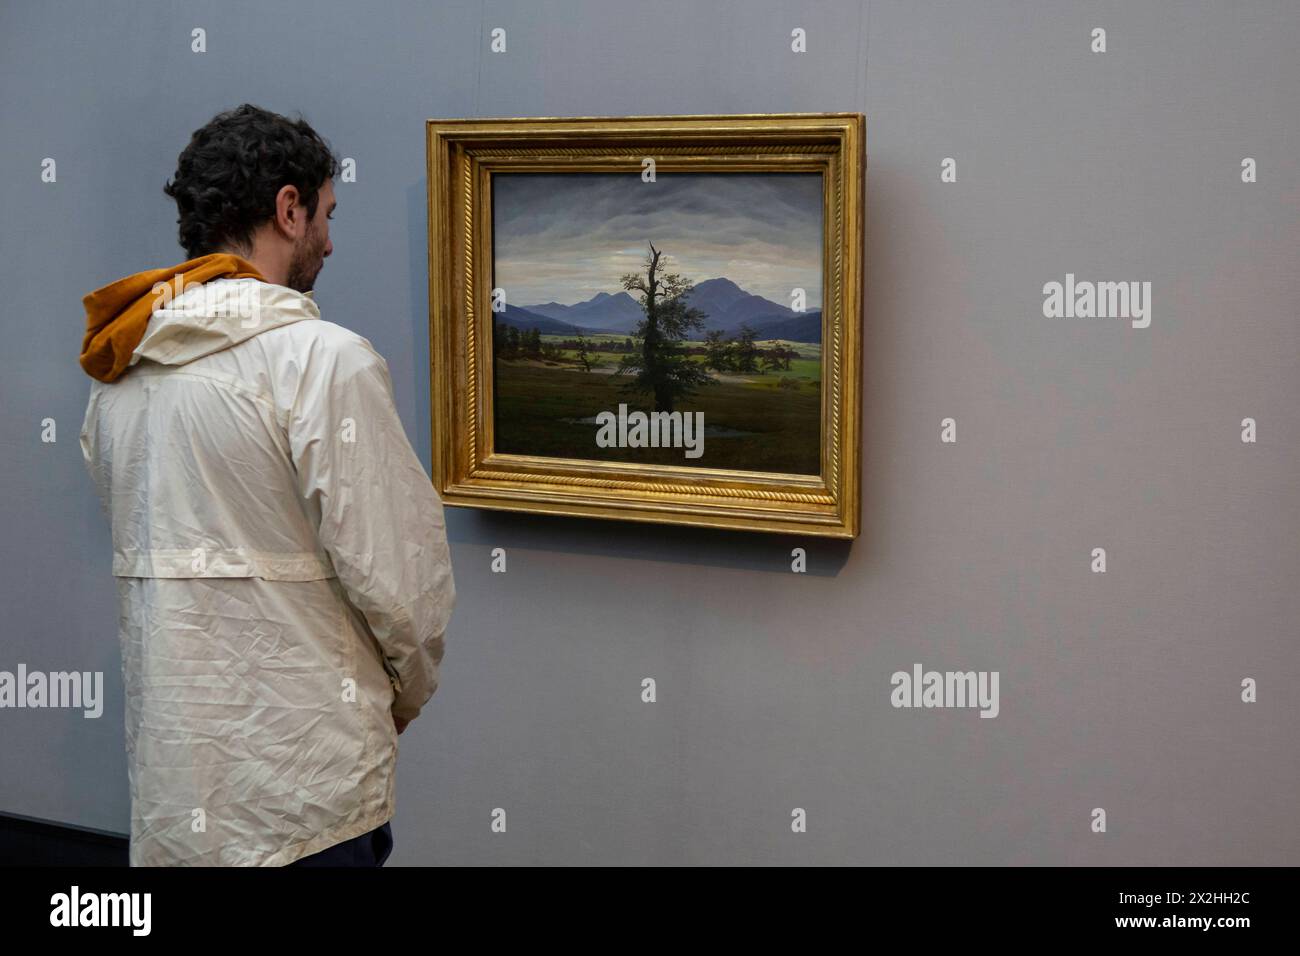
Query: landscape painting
670, 320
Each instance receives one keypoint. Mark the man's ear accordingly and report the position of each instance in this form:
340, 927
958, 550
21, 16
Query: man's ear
290, 214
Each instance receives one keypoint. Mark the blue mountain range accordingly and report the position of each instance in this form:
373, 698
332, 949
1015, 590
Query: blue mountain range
726, 305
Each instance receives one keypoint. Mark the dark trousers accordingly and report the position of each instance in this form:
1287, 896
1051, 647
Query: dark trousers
369, 849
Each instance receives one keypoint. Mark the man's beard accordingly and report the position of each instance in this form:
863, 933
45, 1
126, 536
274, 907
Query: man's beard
305, 265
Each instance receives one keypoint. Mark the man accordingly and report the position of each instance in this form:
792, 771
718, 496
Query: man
281, 558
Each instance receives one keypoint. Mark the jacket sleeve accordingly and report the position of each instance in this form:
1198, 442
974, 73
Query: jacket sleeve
381, 521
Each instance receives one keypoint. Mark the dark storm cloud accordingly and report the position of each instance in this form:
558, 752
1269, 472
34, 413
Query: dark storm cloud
565, 237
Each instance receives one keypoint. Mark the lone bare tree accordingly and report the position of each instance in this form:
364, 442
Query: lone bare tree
661, 363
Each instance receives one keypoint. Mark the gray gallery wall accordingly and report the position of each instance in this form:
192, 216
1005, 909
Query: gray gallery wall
1119, 690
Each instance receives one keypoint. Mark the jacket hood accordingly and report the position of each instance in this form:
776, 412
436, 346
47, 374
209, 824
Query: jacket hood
181, 313
217, 315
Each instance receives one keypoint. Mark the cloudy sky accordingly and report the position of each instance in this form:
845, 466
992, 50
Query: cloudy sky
564, 237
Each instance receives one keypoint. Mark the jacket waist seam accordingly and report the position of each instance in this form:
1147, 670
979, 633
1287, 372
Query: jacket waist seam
221, 563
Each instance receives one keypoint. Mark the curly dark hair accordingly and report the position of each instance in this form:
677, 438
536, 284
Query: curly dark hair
228, 176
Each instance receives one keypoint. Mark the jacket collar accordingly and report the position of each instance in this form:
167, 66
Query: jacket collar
218, 314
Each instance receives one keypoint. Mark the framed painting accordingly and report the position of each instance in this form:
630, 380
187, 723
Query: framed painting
649, 318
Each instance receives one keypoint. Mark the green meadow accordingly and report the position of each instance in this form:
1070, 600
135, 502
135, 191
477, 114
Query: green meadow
777, 413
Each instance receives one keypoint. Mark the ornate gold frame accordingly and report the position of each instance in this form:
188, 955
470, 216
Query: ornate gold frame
462, 156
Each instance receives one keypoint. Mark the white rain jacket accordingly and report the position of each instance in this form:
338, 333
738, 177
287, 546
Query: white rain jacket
283, 575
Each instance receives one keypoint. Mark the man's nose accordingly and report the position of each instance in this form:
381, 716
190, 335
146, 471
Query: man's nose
329, 247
